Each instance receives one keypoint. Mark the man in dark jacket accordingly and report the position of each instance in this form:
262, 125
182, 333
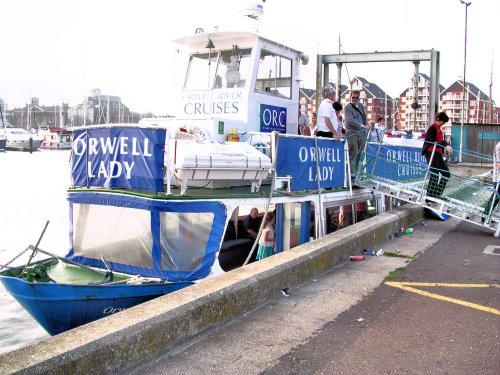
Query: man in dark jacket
433, 149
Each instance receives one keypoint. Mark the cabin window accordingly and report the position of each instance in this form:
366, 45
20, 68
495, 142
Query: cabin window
201, 71
183, 239
339, 217
274, 75
291, 221
218, 69
332, 219
233, 68
124, 228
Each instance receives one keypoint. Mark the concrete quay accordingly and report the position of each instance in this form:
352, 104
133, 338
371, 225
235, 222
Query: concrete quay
133, 337
439, 314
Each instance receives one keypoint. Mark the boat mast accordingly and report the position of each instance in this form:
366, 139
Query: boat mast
491, 93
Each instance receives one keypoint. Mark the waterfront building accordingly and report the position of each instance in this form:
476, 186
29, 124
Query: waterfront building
376, 101
101, 109
33, 115
476, 105
414, 104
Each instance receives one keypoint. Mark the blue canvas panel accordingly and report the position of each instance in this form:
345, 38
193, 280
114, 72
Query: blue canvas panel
118, 157
150, 245
297, 158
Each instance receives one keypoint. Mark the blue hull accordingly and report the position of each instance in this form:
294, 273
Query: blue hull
60, 307
3, 144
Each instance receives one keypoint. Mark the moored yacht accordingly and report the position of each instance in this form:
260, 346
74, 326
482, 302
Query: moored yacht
55, 138
22, 140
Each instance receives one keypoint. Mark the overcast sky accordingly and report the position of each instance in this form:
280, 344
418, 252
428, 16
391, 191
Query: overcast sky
58, 50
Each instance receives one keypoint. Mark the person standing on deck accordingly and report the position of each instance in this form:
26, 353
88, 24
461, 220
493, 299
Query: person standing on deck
267, 238
304, 128
434, 142
377, 131
327, 119
356, 126
337, 107
314, 121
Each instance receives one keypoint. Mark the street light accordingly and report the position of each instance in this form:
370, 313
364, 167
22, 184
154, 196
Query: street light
463, 93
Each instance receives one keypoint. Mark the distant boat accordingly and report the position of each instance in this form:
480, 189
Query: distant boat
55, 138
3, 142
21, 139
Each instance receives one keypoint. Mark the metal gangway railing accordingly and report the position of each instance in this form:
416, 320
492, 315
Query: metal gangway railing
402, 171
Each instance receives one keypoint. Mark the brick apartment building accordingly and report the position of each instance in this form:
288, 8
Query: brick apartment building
410, 110
476, 106
33, 115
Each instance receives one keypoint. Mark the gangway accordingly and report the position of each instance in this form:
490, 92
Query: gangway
403, 172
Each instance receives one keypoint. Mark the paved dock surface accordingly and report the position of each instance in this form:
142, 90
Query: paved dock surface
350, 321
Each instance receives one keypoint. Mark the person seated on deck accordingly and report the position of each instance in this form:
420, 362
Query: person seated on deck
251, 224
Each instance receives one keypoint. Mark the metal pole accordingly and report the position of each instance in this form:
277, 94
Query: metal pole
463, 93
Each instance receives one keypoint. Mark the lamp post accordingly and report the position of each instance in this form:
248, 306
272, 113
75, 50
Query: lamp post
463, 93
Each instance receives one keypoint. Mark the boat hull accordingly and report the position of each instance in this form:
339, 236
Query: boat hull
48, 145
61, 307
24, 144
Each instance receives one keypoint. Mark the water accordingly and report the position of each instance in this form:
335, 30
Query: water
32, 191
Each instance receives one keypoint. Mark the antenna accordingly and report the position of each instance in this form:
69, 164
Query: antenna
346, 70
254, 11
491, 88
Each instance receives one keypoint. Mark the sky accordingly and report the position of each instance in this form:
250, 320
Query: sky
59, 50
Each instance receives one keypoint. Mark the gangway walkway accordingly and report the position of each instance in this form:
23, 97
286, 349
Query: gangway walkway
403, 172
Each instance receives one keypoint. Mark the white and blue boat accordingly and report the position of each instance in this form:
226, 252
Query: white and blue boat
3, 134
157, 207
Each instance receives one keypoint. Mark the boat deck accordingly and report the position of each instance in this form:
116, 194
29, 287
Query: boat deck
236, 192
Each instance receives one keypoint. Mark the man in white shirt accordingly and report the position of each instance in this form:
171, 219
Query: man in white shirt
327, 125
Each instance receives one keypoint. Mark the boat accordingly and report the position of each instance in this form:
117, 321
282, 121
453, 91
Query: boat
21, 140
3, 134
160, 205
54, 138
3, 142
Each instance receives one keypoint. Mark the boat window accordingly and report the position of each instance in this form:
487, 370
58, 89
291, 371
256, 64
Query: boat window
201, 71
332, 219
291, 225
183, 239
338, 217
237, 243
274, 76
218, 69
233, 68
124, 228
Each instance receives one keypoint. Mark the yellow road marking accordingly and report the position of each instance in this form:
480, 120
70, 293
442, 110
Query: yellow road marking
405, 286
448, 285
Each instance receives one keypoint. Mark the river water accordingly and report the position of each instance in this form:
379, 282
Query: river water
32, 191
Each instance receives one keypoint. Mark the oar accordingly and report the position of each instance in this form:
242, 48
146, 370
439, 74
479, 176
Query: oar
35, 248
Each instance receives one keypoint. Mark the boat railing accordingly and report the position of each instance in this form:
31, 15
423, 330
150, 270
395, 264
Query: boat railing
465, 192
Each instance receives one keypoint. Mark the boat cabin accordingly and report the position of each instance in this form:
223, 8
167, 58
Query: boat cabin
236, 83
